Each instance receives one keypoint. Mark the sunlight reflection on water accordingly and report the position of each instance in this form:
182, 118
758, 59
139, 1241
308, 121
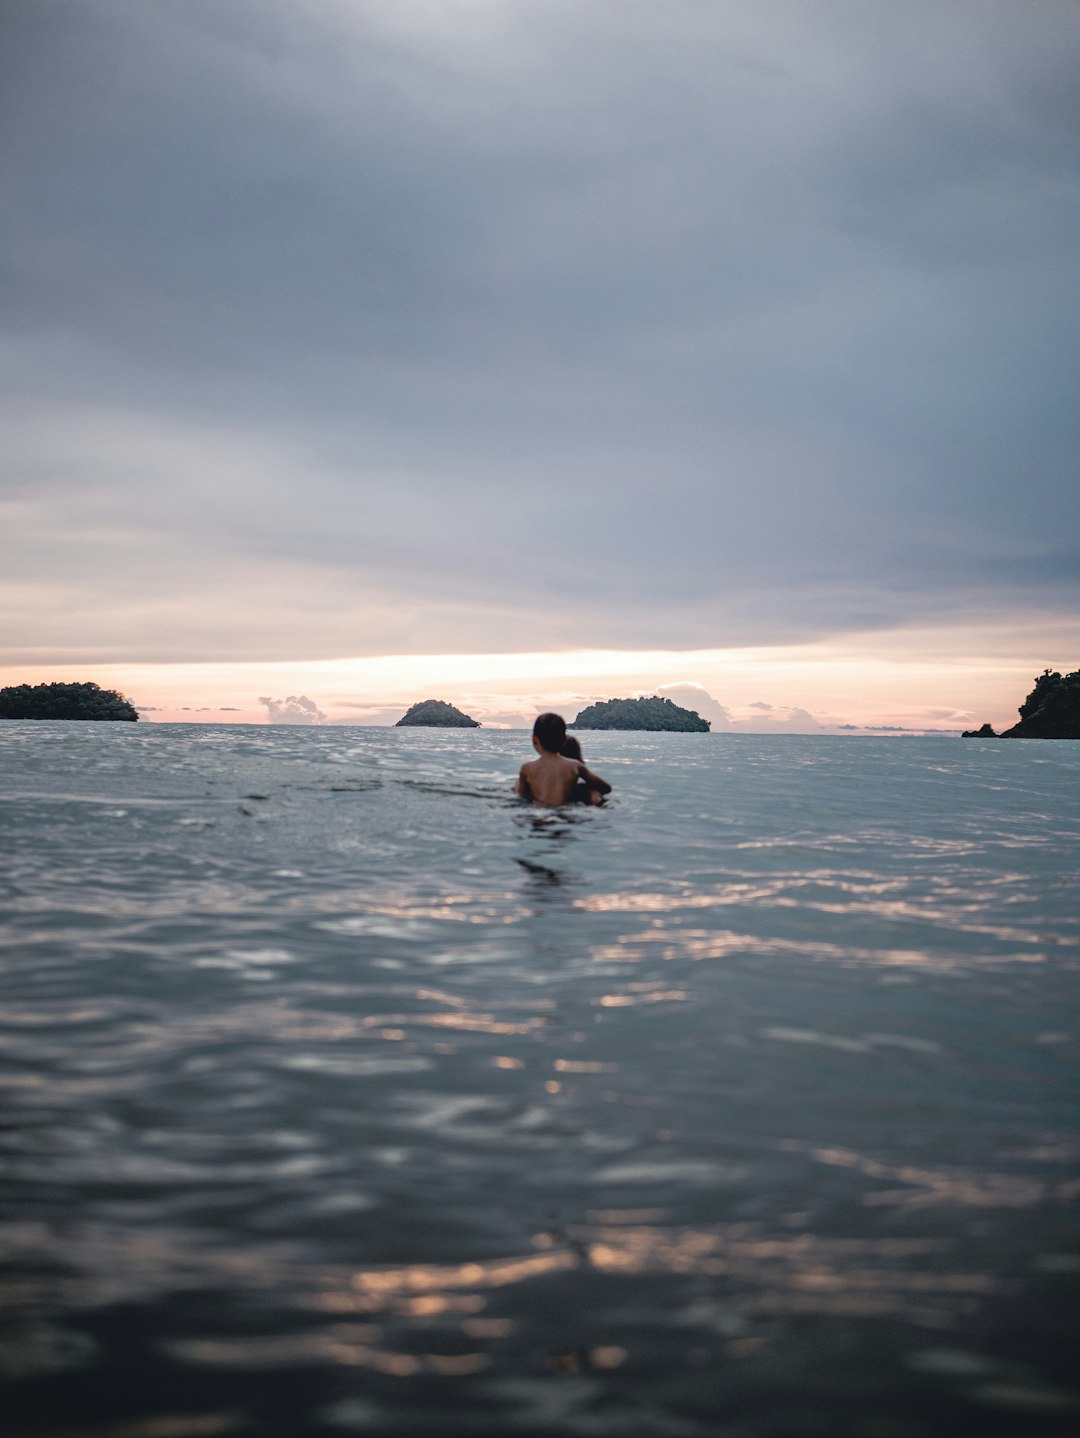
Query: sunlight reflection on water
751, 1094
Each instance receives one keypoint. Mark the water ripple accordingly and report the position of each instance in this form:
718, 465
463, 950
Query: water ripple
341, 1091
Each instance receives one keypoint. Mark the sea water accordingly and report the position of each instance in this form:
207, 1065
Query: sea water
344, 1093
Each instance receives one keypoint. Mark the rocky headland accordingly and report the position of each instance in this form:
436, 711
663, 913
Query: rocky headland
435, 714
1051, 711
654, 713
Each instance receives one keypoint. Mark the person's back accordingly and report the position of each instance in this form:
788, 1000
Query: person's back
552, 779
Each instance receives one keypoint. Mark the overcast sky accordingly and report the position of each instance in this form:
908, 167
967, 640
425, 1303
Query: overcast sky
354, 328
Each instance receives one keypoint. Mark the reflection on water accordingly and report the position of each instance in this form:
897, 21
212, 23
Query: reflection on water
343, 1092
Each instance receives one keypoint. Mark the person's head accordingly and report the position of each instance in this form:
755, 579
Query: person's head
571, 749
549, 732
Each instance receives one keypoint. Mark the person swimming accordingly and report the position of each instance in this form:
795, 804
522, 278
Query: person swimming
555, 778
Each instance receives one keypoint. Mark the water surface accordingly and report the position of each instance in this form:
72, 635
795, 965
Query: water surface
344, 1093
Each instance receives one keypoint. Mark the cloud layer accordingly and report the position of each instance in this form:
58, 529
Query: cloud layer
296, 709
359, 329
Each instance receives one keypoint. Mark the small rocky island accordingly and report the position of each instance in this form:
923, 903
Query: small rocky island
64, 701
1051, 711
654, 714
436, 714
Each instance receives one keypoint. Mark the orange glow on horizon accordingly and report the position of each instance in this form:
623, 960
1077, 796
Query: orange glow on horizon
942, 678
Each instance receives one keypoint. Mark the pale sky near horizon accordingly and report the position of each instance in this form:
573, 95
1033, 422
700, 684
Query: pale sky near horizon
521, 349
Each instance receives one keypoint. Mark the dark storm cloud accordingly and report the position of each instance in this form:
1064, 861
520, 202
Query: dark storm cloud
351, 328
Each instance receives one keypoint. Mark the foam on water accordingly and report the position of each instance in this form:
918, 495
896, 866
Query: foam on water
344, 1092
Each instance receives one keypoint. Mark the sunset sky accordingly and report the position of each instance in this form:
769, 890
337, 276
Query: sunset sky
522, 352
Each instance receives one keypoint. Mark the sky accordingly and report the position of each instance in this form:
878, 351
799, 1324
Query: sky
519, 349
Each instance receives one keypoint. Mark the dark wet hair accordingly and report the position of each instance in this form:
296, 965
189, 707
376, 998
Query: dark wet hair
550, 732
571, 749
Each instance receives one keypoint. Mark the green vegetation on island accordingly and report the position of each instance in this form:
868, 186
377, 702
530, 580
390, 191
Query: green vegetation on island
436, 714
64, 701
1051, 711
654, 713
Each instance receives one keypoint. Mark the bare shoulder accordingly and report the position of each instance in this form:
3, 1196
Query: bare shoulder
522, 786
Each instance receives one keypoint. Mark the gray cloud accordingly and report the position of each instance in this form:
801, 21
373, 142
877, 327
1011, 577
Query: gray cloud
896, 729
697, 697
508, 719
761, 718
782, 719
370, 328
296, 709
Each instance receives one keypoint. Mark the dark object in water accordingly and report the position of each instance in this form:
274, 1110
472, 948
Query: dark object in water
654, 713
436, 714
64, 701
1051, 711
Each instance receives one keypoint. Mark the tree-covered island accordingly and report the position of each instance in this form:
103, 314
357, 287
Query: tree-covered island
654, 714
436, 714
1051, 711
64, 701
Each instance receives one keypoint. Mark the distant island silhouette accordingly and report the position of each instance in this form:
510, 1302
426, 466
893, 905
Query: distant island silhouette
1051, 711
436, 714
654, 714
65, 701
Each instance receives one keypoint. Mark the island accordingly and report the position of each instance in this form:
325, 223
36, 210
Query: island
1051, 711
65, 701
436, 714
654, 714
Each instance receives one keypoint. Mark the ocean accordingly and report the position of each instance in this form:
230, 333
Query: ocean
343, 1093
